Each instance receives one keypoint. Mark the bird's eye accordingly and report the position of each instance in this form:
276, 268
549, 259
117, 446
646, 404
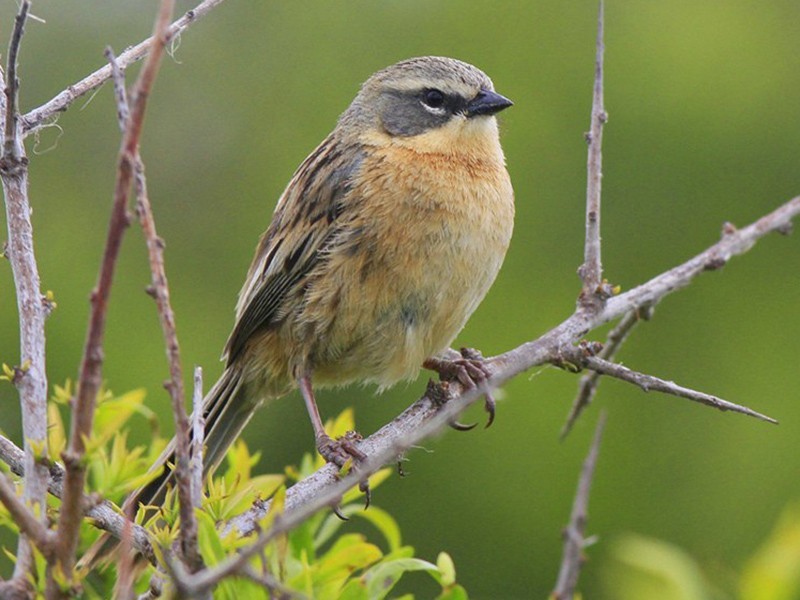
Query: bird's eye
433, 98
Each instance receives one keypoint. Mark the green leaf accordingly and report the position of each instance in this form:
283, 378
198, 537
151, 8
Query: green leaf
208, 539
348, 554
381, 578
381, 519
446, 568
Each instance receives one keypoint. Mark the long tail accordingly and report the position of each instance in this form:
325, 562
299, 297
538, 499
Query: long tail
227, 409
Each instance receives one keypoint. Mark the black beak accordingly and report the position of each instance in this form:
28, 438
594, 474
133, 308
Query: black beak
487, 103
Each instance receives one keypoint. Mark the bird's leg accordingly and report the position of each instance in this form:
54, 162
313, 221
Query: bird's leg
471, 371
337, 451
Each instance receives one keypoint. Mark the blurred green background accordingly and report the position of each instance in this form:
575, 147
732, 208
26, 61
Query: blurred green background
704, 128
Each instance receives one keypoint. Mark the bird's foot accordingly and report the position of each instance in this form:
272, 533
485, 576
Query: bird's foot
471, 371
342, 451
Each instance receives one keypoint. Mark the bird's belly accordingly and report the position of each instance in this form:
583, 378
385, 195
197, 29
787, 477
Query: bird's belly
409, 296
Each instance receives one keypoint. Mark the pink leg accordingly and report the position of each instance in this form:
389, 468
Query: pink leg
338, 451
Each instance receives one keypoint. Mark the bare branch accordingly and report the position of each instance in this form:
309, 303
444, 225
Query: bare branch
588, 383
32, 382
159, 289
39, 117
574, 541
591, 271
90, 376
12, 145
650, 383
120, 94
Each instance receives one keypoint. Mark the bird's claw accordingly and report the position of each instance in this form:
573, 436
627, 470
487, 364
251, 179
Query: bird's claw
339, 452
462, 426
470, 371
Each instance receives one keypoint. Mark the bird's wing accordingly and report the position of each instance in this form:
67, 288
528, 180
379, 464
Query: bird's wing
306, 219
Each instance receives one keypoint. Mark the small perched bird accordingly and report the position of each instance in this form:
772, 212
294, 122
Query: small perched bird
385, 241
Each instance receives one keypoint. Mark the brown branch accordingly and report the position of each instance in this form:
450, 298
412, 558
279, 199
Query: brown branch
39, 117
589, 382
591, 271
159, 289
574, 540
32, 380
90, 375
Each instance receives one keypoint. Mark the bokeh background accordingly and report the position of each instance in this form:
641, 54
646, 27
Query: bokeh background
704, 128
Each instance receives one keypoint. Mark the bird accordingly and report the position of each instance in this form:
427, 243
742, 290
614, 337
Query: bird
384, 242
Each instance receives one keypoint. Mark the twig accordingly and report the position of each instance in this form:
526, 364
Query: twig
159, 289
38, 117
591, 271
90, 376
12, 145
32, 382
650, 383
120, 95
24, 518
103, 514
588, 383
574, 540
198, 438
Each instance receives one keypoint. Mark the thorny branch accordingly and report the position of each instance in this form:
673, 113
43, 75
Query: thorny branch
32, 308
90, 376
41, 116
591, 271
574, 540
159, 290
589, 382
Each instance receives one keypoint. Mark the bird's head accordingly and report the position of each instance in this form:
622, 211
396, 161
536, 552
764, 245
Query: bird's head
431, 103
